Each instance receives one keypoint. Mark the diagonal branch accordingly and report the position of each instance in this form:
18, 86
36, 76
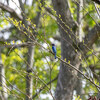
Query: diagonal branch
97, 9
90, 39
42, 88
97, 1
11, 11
27, 44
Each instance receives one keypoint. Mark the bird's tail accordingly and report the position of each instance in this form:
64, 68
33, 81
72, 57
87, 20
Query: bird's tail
55, 55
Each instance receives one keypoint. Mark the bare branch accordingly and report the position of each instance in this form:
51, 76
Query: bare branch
97, 1
48, 9
92, 36
17, 45
57, 37
11, 11
98, 12
86, 77
69, 65
42, 88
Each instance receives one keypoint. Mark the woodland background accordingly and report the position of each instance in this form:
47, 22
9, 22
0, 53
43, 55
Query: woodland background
28, 70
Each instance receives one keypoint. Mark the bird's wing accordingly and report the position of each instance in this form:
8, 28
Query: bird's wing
54, 49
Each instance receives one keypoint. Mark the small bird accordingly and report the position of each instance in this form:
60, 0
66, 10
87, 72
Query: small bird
54, 49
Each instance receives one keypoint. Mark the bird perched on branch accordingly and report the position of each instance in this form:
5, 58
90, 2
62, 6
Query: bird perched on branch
54, 49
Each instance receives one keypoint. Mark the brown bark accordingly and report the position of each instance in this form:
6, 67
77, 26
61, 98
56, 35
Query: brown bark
79, 19
10, 10
29, 78
30, 57
97, 1
67, 76
99, 92
3, 94
78, 86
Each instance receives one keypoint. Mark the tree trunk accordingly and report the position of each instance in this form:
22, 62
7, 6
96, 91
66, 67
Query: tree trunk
78, 86
3, 90
30, 58
79, 19
80, 34
29, 79
98, 96
67, 76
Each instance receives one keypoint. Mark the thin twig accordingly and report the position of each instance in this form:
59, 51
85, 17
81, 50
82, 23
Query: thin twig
42, 88
97, 10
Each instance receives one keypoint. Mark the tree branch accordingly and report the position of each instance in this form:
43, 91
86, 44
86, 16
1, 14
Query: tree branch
48, 9
57, 37
89, 39
11, 11
44, 87
92, 36
97, 1
17, 45
63, 14
97, 9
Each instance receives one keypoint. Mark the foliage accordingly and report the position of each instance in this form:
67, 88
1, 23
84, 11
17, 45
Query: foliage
45, 67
